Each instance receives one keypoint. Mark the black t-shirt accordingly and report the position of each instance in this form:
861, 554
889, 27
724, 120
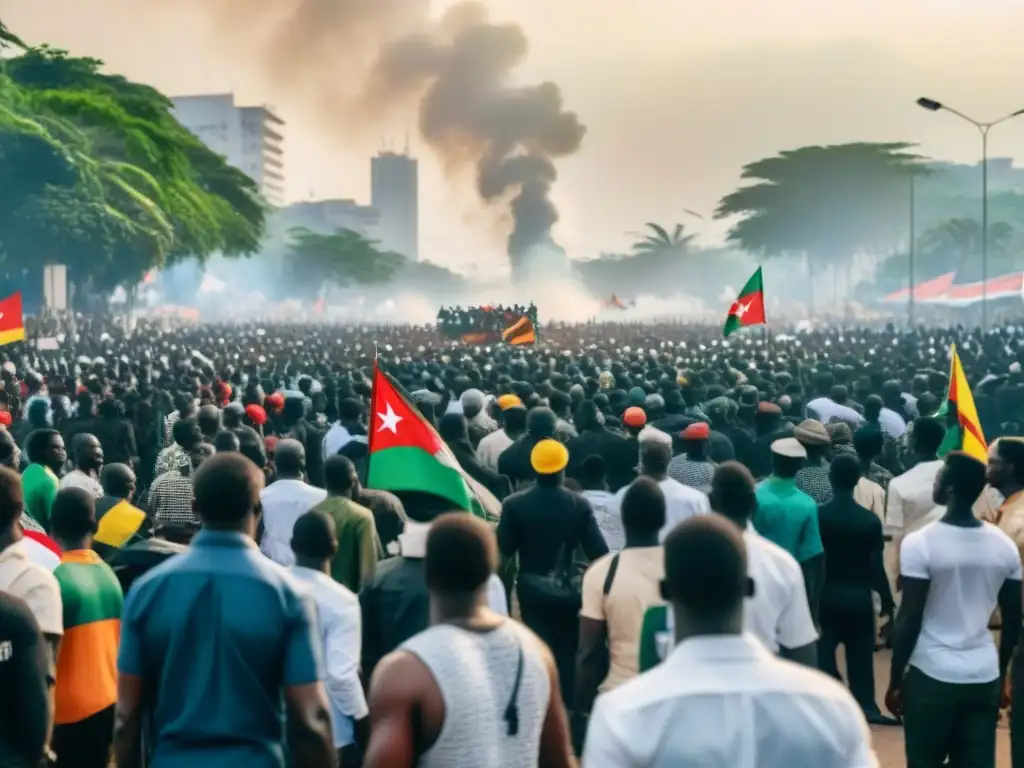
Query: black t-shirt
26, 673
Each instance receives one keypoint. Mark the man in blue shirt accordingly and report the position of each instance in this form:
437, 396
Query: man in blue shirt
789, 517
212, 638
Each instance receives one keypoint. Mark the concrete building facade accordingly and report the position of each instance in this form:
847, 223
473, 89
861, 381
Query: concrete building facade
249, 137
394, 184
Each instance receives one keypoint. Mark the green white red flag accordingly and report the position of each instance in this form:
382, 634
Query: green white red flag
748, 309
407, 454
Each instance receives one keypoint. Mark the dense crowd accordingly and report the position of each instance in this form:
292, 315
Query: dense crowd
678, 533
455, 322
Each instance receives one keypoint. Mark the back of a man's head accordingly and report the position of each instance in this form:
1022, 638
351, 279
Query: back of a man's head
315, 536
117, 480
733, 492
844, 473
461, 554
72, 515
643, 509
706, 575
541, 422
290, 457
339, 475
227, 489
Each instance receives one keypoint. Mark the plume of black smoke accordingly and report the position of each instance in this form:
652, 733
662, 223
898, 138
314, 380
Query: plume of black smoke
469, 112
353, 61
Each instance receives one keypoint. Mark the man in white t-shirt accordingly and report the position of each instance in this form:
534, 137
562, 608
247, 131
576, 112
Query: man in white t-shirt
681, 501
954, 571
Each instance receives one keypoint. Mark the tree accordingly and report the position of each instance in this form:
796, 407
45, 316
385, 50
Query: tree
955, 246
96, 173
663, 241
825, 202
341, 258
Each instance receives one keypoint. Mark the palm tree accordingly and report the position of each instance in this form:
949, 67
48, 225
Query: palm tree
662, 241
955, 245
342, 258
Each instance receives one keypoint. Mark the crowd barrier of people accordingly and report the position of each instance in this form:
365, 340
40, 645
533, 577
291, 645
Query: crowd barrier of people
687, 528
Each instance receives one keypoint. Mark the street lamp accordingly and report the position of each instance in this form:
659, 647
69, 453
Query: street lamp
934, 106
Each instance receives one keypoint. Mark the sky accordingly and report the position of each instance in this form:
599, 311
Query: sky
677, 95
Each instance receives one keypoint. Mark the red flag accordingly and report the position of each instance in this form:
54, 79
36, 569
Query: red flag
12, 323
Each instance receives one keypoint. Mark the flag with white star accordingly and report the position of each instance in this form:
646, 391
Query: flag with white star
748, 309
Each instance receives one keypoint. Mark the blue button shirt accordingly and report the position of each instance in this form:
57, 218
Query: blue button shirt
216, 633
788, 517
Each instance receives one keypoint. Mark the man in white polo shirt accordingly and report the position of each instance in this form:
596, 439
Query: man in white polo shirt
953, 572
721, 698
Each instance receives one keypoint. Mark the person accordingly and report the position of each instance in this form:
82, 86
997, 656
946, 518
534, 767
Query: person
721, 698
285, 500
171, 496
1005, 473
788, 517
475, 689
389, 515
355, 558
514, 462
617, 589
852, 539
19, 575
315, 543
41, 480
812, 478
594, 482
946, 676
116, 433
479, 423
681, 501
544, 525
26, 677
87, 455
187, 436
87, 666
910, 503
513, 426
226, 441
692, 467
119, 523
221, 607
778, 614
453, 429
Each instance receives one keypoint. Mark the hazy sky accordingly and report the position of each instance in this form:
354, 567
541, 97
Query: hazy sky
676, 95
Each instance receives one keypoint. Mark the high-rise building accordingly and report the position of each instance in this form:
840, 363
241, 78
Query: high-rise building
249, 137
395, 194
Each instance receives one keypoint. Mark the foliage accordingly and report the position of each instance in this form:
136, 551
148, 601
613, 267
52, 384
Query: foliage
341, 258
662, 240
827, 202
955, 246
96, 173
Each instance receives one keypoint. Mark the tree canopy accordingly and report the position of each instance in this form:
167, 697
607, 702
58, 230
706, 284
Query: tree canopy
661, 240
826, 202
96, 173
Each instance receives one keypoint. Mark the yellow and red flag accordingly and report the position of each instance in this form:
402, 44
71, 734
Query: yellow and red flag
972, 441
12, 322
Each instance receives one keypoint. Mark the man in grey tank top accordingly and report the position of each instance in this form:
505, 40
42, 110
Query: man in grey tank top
474, 690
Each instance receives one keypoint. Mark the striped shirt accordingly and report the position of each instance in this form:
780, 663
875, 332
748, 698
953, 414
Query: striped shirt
87, 665
170, 499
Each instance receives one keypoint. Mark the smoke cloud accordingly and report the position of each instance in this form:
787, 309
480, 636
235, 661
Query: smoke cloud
362, 60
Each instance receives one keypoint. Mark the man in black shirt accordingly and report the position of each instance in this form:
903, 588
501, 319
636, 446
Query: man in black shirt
26, 676
852, 538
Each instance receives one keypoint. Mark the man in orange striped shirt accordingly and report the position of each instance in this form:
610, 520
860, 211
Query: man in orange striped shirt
86, 689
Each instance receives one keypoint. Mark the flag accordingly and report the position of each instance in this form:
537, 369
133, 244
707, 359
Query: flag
42, 550
407, 454
520, 332
972, 441
12, 323
748, 309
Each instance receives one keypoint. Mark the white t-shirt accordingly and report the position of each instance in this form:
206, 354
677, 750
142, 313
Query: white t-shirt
608, 515
966, 567
827, 409
681, 503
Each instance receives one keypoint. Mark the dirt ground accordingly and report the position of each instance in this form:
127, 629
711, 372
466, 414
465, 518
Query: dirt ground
889, 741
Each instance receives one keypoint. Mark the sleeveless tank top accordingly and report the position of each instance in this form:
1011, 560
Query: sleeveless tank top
476, 674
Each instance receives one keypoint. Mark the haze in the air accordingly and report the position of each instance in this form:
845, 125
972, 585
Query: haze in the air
675, 95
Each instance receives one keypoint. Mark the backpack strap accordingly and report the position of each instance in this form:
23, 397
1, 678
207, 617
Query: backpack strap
610, 578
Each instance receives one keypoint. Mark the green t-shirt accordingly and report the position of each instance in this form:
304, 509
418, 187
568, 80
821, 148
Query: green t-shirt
655, 637
39, 486
788, 517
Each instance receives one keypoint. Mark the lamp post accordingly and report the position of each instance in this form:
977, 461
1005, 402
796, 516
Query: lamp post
934, 106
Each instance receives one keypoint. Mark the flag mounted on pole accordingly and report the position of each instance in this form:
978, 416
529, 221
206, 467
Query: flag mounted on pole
407, 454
12, 322
748, 309
972, 440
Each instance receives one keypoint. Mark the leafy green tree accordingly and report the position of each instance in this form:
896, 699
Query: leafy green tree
955, 246
341, 258
825, 202
662, 241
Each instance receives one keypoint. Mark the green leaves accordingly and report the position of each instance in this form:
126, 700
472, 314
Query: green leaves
341, 258
662, 241
96, 172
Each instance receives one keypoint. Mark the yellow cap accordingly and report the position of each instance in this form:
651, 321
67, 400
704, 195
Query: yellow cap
508, 401
549, 457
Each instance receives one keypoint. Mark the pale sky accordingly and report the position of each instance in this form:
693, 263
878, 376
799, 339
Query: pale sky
676, 95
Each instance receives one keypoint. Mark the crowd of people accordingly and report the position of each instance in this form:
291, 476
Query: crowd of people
680, 532
489, 320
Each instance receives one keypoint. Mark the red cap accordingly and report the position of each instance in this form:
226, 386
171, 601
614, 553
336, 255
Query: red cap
275, 401
634, 417
256, 414
698, 431
5, 418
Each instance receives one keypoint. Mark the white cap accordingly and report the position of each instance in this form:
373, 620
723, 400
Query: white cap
654, 435
789, 446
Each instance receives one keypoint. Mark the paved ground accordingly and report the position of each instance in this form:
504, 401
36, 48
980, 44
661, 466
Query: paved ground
889, 741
